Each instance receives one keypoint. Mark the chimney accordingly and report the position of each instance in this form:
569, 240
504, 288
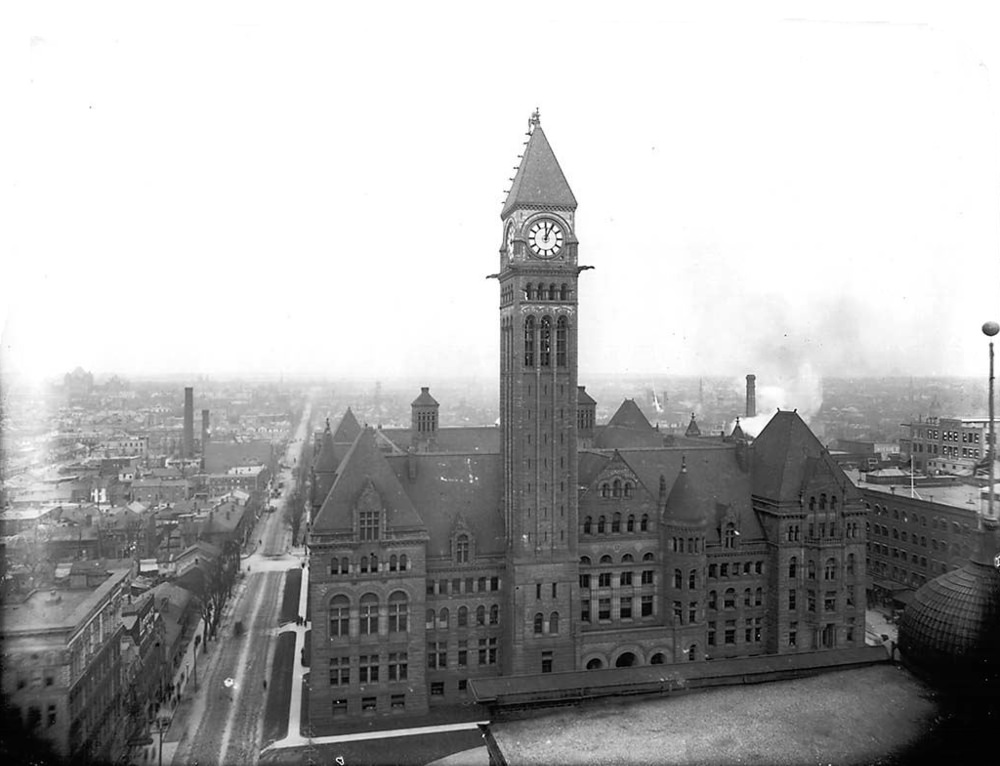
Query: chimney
204, 430
187, 447
751, 396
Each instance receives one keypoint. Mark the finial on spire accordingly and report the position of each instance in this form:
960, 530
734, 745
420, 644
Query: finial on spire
536, 119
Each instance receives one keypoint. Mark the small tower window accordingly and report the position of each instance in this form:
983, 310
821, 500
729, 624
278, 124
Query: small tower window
545, 343
529, 342
644, 523
600, 525
561, 325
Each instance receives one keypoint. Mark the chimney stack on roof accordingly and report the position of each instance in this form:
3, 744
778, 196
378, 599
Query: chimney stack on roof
187, 447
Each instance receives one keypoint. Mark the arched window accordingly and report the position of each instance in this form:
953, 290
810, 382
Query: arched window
545, 342
529, 291
644, 523
443, 619
561, 325
822, 501
630, 523
529, 341
730, 599
830, 570
538, 623
616, 488
678, 579
374, 563
340, 614
648, 557
606, 559
403, 564
628, 558
758, 597
616, 523
369, 614
399, 610
600, 525
345, 565
605, 490
393, 563
463, 616
364, 564
480, 615
594, 664
587, 525
730, 536
585, 561
793, 567
494, 614
627, 489
693, 579
747, 597
462, 549
553, 292
554, 622
429, 619
656, 659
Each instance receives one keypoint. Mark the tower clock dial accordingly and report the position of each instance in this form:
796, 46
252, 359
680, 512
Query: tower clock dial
545, 238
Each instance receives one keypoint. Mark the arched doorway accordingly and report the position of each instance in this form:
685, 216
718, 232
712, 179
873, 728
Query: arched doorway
625, 660
595, 664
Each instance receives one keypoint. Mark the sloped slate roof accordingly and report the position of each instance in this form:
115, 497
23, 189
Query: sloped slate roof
347, 430
425, 399
326, 461
684, 501
480, 439
630, 416
365, 463
622, 437
539, 179
582, 397
787, 455
448, 485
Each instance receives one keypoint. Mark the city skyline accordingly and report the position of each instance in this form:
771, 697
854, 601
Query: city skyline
250, 193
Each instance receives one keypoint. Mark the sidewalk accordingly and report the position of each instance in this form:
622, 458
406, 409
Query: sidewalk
877, 625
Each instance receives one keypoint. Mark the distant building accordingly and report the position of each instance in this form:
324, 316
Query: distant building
947, 445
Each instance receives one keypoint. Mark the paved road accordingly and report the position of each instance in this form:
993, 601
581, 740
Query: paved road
224, 725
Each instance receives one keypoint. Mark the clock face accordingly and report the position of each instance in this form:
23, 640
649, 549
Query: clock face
545, 237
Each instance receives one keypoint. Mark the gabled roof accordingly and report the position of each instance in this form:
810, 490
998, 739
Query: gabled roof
582, 397
630, 416
445, 487
788, 456
364, 467
539, 180
692, 429
347, 430
480, 439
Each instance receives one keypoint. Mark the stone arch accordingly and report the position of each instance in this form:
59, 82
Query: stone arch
595, 661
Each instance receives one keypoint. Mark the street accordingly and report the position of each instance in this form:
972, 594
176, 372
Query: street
221, 722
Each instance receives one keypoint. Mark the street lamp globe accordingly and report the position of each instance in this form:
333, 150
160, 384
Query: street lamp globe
991, 328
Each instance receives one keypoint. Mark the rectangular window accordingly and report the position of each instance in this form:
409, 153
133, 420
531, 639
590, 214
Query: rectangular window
604, 580
793, 629
554, 591
830, 601
51, 715
456, 585
625, 608
604, 609
647, 576
724, 570
369, 525
469, 584
463, 653
494, 583
711, 634
481, 584
730, 637
339, 707
397, 666
368, 669
340, 671
625, 578
791, 599
585, 610
811, 601
546, 662
758, 567
693, 611
488, 651
713, 570
443, 587
437, 654
463, 685
646, 606
397, 701
437, 688
585, 581
368, 704
678, 613
538, 590
430, 587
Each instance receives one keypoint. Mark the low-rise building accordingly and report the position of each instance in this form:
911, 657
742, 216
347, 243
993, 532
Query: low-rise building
947, 445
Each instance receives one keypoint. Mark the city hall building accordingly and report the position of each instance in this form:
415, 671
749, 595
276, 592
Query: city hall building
554, 543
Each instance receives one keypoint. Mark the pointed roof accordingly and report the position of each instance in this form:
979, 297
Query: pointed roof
692, 429
630, 416
326, 460
582, 397
348, 429
737, 431
683, 503
787, 456
539, 180
425, 399
365, 468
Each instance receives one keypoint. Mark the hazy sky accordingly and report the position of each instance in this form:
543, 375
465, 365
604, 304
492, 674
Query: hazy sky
218, 187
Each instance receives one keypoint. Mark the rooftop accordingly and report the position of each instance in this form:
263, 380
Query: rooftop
40, 611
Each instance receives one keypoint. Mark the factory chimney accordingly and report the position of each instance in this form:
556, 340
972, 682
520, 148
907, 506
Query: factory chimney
187, 447
751, 396
204, 430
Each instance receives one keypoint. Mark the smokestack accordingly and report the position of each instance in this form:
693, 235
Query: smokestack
187, 447
204, 430
751, 396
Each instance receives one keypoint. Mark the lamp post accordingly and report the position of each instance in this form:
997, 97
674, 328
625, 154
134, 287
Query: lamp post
162, 724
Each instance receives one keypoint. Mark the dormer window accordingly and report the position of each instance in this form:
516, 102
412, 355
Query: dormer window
369, 523
729, 538
462, 549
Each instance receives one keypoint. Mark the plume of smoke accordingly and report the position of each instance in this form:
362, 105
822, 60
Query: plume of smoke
799, 389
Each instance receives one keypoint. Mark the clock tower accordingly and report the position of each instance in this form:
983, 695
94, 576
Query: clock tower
538, 390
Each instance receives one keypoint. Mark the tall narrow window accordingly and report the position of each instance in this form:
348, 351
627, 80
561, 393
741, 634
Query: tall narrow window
529, 342
398, 612
340, 610
730, 536
538, 623
545, 343
554, 622
369, 614
369, 525
462, 549
561, 325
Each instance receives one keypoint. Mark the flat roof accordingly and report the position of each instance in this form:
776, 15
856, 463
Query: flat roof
838, 717
37, 614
